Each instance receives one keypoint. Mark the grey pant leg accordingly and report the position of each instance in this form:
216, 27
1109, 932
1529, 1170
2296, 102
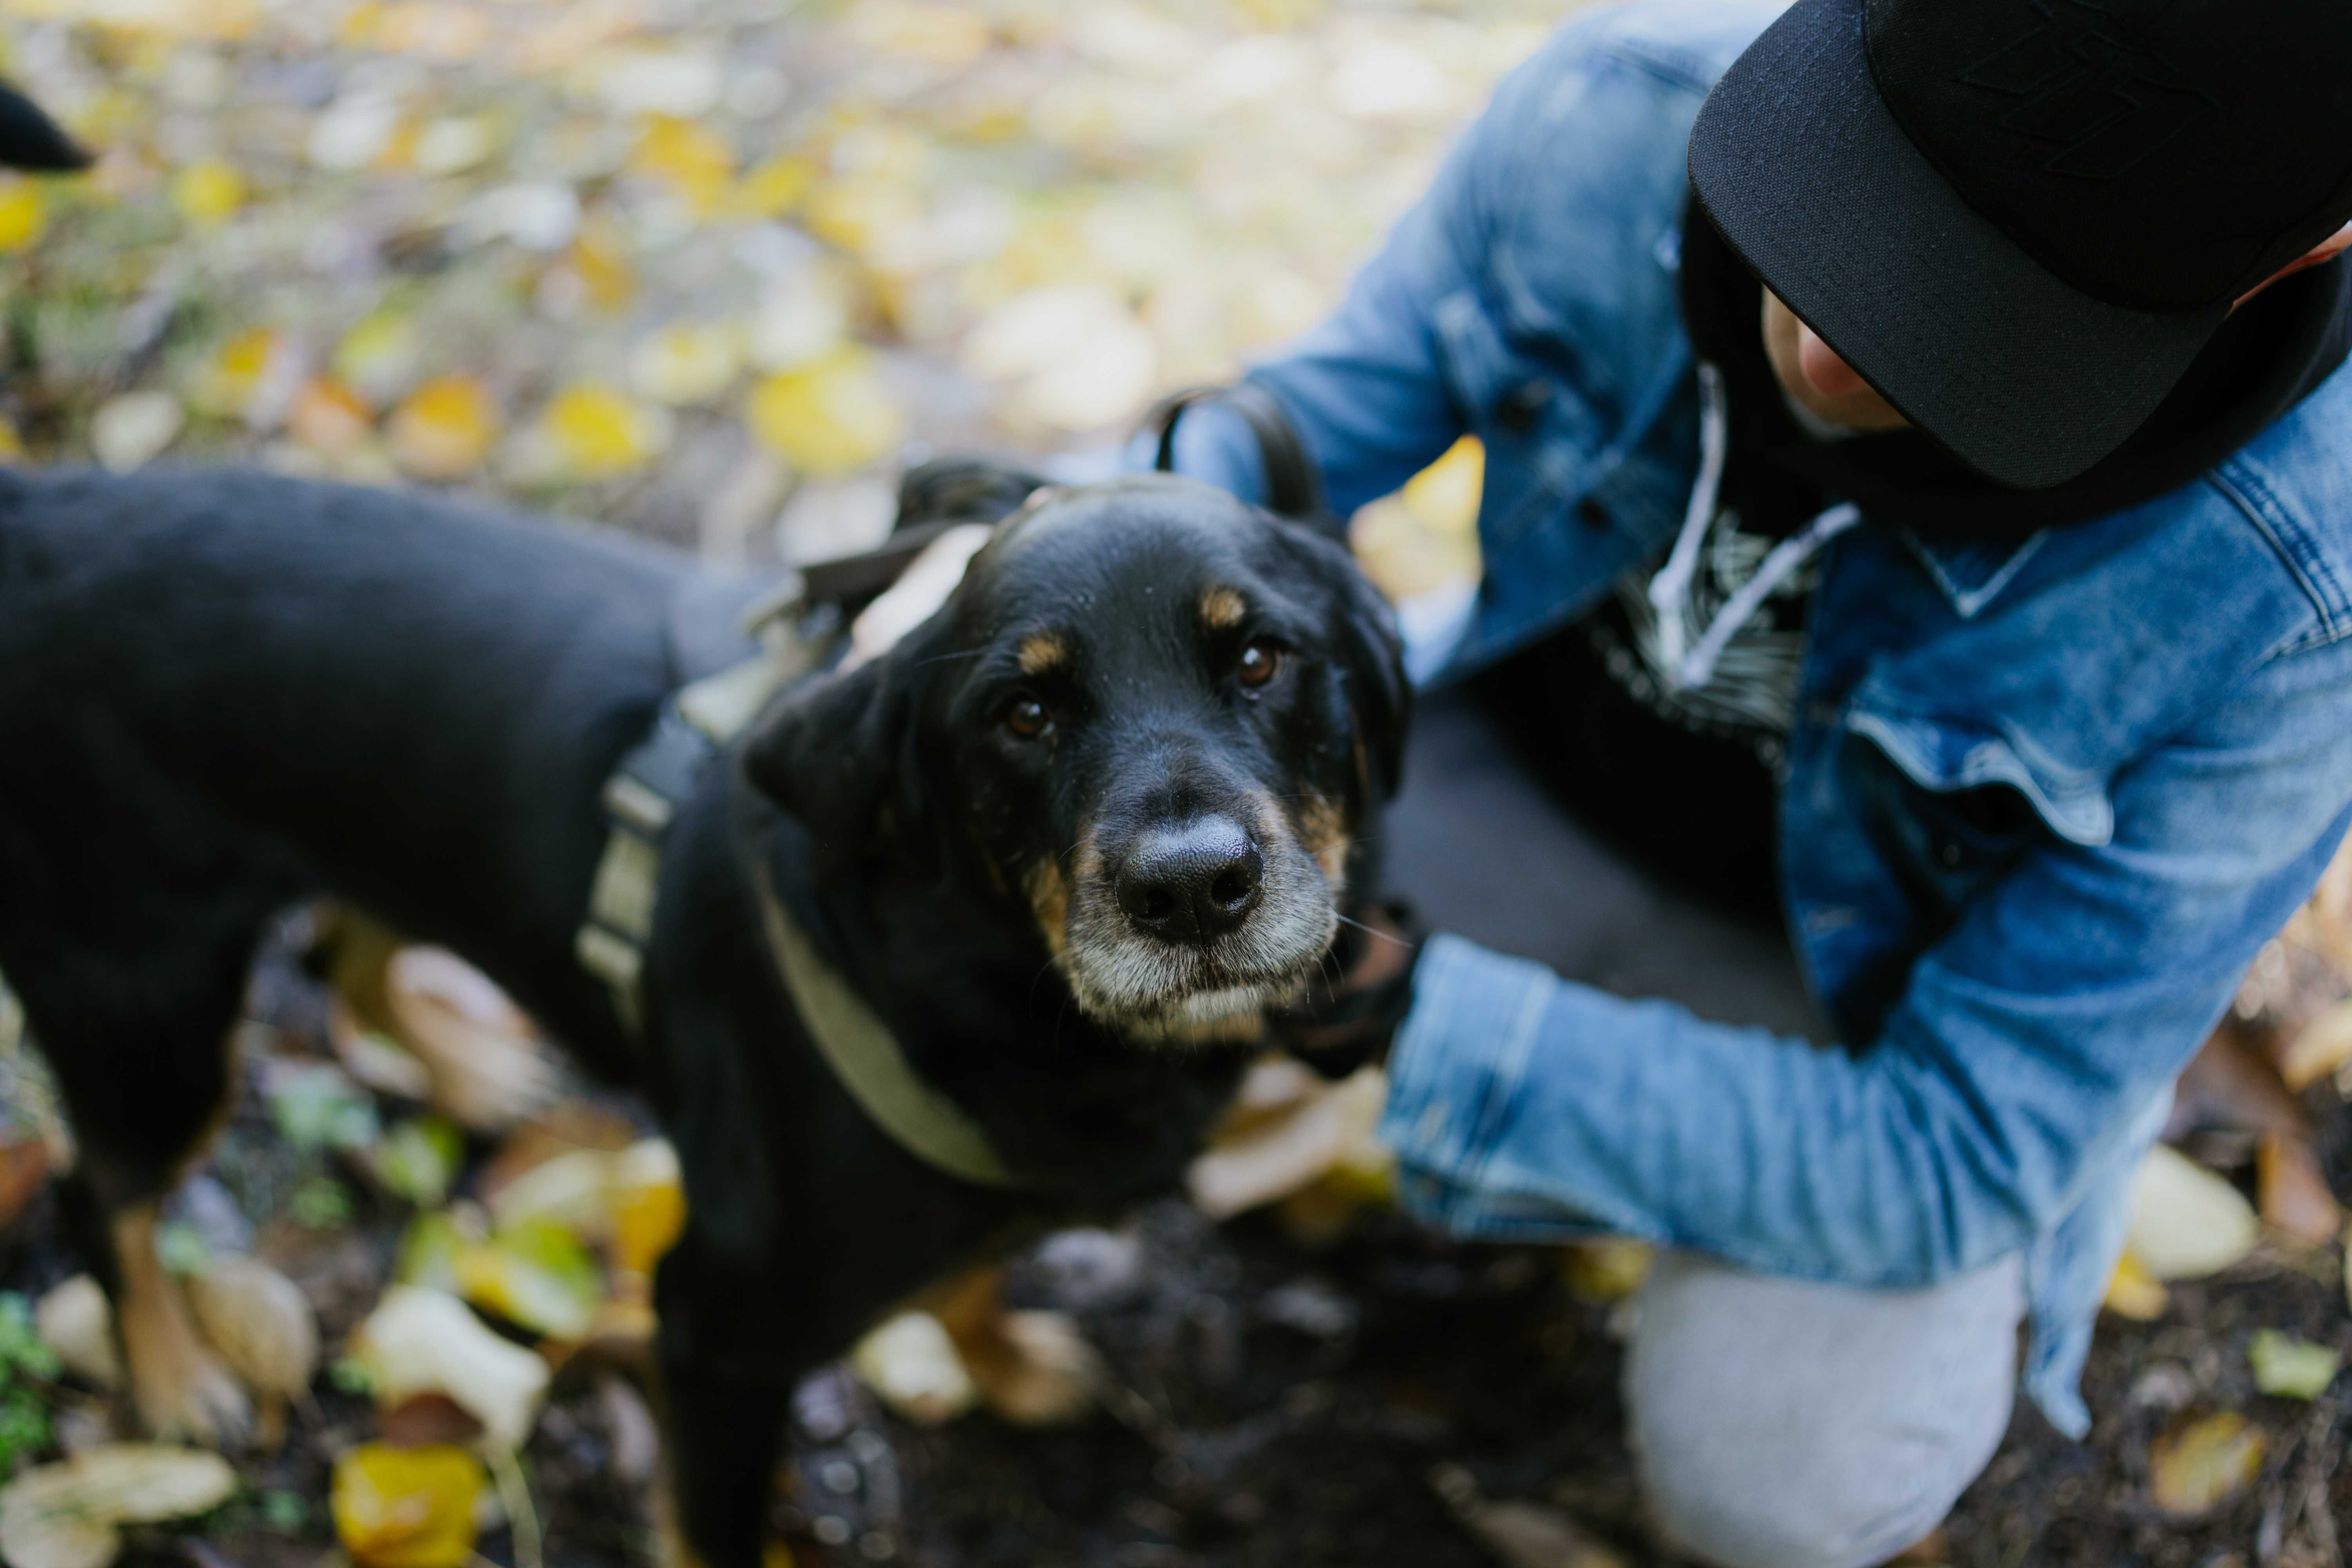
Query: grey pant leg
1782, 1424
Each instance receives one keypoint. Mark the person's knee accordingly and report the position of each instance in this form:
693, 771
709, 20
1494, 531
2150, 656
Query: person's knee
1780, 1425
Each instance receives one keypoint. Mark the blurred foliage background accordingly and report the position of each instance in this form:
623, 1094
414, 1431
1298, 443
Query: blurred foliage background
710, 269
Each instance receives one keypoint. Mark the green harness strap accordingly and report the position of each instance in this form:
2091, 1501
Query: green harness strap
641, 799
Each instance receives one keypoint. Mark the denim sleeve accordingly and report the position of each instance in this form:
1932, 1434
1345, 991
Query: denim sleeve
2029, 1043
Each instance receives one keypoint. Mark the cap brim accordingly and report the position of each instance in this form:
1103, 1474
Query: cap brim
1810, 179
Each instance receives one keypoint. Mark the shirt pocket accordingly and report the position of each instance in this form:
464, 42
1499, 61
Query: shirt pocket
1954, 804
1521, 402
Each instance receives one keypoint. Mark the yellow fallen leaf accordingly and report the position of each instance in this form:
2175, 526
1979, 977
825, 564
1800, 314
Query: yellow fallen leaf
377, 359
598, 264
572, 1189
2203, 1462
649, 1205
1606, 1268
830, 417
864, 218
536, 1274
2133, 1293
419, 1341
12, 443
2291, 1368
695, 160
774, 188
406, 1507
443, 429
208, 194
64, 1515
227, 384
24, 215
2186, 1222
1443, 496
686, 362
595, 432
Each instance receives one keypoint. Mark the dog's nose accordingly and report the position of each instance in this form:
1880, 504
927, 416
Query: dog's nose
1192, 883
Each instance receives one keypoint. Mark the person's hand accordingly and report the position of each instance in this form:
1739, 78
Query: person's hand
1351, 1012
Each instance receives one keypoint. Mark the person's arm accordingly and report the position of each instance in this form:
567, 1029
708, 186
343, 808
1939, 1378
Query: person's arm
2026, 1044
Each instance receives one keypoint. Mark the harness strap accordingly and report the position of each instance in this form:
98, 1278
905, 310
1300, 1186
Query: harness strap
641, 800
1293, 486
859, 1048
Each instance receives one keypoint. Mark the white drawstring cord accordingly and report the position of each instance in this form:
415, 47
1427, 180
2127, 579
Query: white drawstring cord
1670, 589
1786, 558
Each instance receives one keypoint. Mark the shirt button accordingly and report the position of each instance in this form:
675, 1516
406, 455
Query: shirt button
1949, 853
1517, 410
1591, 513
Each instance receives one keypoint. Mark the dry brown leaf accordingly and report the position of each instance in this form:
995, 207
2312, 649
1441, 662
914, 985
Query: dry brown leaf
2322, 1048
65, 1515
489, 1072
1520, 1534
428, 1341
2202, 1462
914, 1365
1329, 1129
76, 1321
264, 1328
2293, 1191
2186, 1222
24, 1171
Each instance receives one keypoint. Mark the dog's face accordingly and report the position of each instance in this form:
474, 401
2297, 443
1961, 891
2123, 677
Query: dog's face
1151, 721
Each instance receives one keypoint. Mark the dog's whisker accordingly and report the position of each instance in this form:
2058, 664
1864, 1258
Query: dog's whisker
1370, 930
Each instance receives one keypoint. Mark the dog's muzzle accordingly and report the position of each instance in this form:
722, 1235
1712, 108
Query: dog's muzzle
1195, 926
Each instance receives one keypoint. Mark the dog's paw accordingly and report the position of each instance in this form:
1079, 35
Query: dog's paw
1041, 1371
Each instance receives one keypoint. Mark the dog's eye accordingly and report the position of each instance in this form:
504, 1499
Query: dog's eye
1026, 718
1259, 663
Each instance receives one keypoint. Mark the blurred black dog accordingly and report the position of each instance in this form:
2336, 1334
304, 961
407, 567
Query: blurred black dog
1098, 809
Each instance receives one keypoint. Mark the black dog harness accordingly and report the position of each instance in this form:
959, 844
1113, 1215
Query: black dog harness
641, 799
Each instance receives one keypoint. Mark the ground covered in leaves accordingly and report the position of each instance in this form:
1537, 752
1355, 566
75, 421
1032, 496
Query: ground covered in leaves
711, 270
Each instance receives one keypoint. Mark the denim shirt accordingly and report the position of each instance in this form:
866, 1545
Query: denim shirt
2158, 702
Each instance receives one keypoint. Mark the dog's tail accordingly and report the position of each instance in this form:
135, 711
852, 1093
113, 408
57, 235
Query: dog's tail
29, 139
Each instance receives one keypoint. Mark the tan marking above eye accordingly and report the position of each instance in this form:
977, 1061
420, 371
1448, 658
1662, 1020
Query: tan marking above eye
1222, 609
1041, 652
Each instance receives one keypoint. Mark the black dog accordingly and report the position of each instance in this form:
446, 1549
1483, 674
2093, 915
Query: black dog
1096, 809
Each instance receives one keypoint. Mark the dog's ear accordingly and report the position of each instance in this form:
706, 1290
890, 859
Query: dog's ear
1378, 693
29, 139
843, 755
963, 490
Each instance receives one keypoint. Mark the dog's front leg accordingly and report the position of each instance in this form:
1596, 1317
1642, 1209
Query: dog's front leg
724, 1392
722, 1437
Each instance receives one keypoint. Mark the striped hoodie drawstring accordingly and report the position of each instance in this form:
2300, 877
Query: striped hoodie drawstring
1670, 589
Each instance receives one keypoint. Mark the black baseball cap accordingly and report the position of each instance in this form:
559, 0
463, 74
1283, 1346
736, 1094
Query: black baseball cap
2020, 220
